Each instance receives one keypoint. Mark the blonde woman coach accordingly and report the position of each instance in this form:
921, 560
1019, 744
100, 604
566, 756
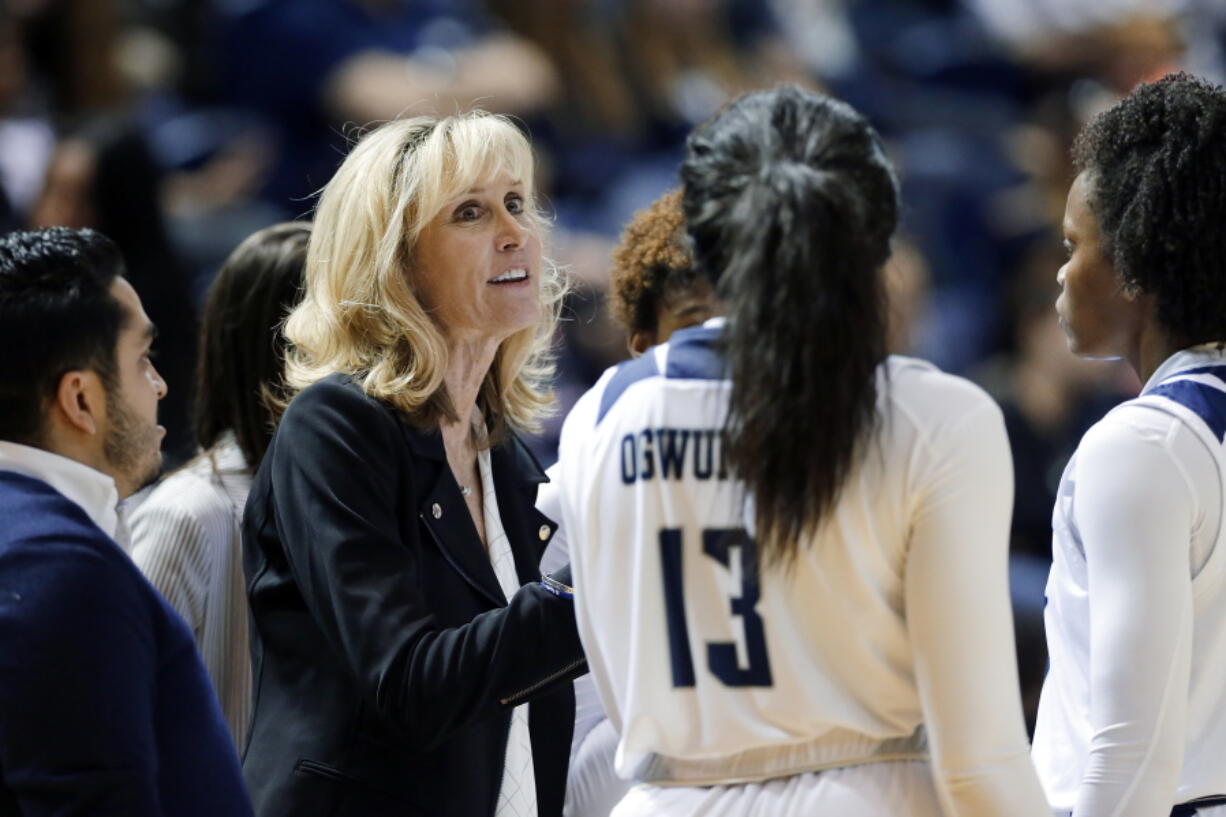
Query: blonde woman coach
406, 658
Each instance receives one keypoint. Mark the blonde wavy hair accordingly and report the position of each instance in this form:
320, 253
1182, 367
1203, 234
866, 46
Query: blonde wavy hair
360, 314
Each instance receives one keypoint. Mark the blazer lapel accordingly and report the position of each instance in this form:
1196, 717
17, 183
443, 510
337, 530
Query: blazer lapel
443, 512
517, 475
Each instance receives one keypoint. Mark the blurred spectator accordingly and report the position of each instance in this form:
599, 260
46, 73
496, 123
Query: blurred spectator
946, 99
72, 46
173, 42
77, 61
692, 56
210, 200
1037, 25
186, 534
215, 158
103, 176
906, 289
26, 136
819, 33
318, 68
636, 77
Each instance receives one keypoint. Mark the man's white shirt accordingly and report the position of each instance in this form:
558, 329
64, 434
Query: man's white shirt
708, 669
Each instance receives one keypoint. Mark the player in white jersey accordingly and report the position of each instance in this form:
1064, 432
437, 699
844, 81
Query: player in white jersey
1132, 719
789, 550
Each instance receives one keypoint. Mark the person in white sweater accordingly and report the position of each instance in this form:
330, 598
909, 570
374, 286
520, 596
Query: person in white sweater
1132, 719
185, 535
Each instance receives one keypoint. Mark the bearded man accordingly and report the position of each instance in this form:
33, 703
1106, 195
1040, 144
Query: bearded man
105, 707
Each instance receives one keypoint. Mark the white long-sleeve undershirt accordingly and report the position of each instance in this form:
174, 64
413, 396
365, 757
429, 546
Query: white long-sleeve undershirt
1134, 506
1146, 497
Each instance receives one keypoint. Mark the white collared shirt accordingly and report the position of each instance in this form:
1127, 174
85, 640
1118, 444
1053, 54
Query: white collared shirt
93, 490
517, 792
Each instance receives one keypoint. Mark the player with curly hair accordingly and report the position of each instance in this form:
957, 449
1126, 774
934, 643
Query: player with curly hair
656, 289
1132, 719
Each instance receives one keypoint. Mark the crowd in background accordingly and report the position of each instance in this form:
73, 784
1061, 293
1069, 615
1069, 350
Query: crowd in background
179, 127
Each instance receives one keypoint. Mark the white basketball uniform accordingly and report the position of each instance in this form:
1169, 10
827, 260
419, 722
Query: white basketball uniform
1132, 719
592, 786
805, 690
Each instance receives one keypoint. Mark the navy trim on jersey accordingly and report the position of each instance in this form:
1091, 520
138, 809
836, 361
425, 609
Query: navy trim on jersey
627, 374
693, 355
1190, 808
1216, 371
1208, 403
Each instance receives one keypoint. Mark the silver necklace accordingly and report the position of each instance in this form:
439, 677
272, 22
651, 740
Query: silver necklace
478, 429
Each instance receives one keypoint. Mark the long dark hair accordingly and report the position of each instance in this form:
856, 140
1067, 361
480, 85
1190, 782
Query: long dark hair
240, 374
791, 202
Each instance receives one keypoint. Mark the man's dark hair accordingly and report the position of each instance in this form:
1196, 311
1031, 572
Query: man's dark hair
57, 315
240, 375
1156, 164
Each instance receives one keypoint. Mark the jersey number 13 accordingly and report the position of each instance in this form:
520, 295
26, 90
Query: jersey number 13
717, 543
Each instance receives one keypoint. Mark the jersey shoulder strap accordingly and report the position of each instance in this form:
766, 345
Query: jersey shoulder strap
1197, 397
690, 354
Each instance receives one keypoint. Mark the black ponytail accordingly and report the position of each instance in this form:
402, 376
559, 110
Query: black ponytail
791, 203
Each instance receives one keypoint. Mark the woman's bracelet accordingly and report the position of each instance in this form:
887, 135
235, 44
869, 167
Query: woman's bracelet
556, 587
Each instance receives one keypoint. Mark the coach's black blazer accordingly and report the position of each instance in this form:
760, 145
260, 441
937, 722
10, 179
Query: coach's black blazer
386, 657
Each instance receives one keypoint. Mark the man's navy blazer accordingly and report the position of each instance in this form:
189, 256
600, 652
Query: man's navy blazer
105, 706
386, 657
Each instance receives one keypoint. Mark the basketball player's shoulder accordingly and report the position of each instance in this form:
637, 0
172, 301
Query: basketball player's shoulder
1188, 402
930, 398
628, 382
631, 387
1174, 422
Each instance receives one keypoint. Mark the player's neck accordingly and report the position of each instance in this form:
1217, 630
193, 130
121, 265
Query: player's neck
1153, 346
